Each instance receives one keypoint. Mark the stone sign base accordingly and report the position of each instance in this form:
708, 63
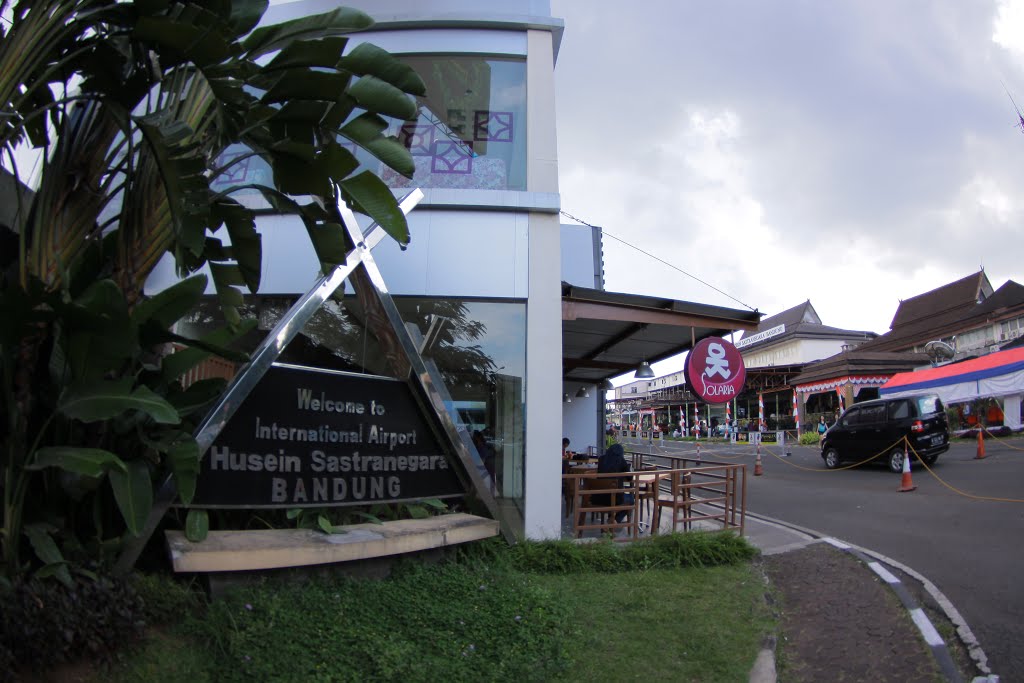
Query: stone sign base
233, 551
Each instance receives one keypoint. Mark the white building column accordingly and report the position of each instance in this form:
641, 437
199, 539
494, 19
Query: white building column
544, 308
1011, 411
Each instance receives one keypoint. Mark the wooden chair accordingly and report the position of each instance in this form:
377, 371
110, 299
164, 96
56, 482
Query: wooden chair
603, 511
566, 488
679, 501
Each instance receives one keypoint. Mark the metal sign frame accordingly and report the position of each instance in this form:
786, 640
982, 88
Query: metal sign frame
402, 352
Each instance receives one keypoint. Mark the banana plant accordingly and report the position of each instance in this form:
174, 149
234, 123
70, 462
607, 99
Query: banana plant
133, 108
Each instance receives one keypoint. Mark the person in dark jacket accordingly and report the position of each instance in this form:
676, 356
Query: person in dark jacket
614, 460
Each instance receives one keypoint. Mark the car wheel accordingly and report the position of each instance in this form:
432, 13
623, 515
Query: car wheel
831, 457
930, 459
896, 460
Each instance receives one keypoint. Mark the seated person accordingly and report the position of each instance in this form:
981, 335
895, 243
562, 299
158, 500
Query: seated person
486, 451
614, 460
566, 453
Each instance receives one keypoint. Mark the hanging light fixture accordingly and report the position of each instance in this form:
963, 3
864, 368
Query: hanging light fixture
644, 371
582, 392
607, 385
566, 399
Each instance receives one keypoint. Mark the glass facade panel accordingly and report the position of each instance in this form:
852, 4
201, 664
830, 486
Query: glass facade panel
470, 131
480, 353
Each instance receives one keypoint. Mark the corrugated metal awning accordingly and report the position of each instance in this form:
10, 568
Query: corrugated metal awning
606, 334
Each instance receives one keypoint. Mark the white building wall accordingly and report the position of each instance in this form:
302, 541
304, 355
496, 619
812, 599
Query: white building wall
794, 352
636, 389
817, 349
579, 416
451, 253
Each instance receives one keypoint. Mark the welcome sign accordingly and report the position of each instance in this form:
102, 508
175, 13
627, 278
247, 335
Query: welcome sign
306, 437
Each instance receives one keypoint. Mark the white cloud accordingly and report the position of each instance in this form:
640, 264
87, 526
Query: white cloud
1008, 27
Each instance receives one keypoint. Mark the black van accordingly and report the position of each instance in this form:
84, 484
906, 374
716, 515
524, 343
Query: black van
878, 427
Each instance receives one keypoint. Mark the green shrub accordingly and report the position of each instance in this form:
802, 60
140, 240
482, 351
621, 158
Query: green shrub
809, 439
694, 549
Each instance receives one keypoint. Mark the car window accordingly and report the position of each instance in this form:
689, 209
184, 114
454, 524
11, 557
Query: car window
899, 410
850, 417
926, 405
872, 415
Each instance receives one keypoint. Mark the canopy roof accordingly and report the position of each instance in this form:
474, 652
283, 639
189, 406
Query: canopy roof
997, 374
606, 334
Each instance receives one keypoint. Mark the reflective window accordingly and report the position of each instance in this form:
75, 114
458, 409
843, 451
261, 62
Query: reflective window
899, 410
479, 350
928, 405
851, 417
470, 131
872, 415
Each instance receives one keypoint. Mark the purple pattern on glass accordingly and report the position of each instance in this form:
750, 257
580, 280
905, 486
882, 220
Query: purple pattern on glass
237, 173
492, 126
417, 138
451, 157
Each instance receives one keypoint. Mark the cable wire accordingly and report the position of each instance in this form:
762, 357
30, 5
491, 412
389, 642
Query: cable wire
650, 255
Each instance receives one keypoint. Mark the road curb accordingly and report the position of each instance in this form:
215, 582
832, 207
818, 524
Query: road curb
964, 633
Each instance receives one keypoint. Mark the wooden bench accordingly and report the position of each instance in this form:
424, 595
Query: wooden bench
230, 551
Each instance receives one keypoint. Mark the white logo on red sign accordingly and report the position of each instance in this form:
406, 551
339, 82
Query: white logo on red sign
714, 370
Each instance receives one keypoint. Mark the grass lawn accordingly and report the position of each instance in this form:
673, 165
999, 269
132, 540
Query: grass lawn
665, 625
534, 612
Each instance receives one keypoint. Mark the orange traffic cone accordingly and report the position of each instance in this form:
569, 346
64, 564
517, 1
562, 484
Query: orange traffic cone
906, 484
758, 470
981, 446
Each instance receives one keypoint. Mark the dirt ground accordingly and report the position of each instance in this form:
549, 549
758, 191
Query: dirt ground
840, 622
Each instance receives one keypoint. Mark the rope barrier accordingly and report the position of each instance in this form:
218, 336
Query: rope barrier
955, 489
1001, 441
788, 461
910, 449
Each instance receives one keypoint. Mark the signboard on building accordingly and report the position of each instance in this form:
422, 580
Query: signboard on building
714, 370
313, 438
761, 336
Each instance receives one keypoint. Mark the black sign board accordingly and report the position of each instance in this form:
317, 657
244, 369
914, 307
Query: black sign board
313, 438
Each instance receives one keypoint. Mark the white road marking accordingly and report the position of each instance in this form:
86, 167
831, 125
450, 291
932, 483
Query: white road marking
931, 636
886, 575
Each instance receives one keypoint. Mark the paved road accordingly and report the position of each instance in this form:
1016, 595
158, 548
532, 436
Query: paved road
972, 549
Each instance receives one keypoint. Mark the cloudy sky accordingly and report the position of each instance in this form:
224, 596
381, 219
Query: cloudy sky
851, 152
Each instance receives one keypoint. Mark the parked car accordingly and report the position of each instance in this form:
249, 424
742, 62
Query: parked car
878, 427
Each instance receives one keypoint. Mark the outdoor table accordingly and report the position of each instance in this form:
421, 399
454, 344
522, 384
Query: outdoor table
647, 491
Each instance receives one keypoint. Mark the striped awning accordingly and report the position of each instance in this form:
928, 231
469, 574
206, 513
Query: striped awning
997, 374
833, 384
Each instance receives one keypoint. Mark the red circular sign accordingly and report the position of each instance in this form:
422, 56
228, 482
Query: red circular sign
714, 370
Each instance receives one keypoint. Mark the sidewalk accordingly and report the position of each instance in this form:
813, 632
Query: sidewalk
840, 620
771, 538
